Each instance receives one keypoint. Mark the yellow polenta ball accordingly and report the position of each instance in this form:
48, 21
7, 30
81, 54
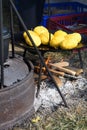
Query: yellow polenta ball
45, 37
56, 40
51, 36
40, 29
24, 35
34, 37
75, 36
69, 43
60, 32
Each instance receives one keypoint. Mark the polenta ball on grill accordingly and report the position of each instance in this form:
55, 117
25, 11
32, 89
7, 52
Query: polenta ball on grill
68, 44
71, 41
40, 29
60, 32
59, 36
56, 41
75, 35
45, 37
43, 34
34, 37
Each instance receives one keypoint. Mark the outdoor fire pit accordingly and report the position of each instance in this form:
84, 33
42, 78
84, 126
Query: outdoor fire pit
17, 95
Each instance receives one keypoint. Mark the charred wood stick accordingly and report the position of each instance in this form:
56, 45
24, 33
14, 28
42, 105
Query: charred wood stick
60, 73
57, 72
58, 80
37, 68
62, 64
63, 74
77, 70
42, 76
69, 71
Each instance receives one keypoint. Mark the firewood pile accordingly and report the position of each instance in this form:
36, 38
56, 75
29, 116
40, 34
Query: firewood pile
69, 80
58, 69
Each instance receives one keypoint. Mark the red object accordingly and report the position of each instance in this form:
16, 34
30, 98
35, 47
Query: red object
70, 23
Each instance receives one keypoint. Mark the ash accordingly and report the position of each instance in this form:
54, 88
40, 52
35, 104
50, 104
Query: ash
49, 98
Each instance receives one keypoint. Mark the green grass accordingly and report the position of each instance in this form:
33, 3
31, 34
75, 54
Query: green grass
74, 118
60, 121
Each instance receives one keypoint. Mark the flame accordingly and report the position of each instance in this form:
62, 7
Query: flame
46, 62
37, 68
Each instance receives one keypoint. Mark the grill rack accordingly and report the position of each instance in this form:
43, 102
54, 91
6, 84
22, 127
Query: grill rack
20, 42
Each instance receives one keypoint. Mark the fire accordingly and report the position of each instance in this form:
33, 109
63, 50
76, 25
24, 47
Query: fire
46, 62
37, 68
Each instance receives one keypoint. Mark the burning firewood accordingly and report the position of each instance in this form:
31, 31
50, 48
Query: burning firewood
59, 69
43, 77
59, 73
58, 80
46, 62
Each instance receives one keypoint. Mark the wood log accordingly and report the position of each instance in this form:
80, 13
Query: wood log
37, 68
58, 81
63, 74
43, 77
77, 70
62, 64
69, 71
57, 72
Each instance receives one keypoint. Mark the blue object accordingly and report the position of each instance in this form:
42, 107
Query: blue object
71, 7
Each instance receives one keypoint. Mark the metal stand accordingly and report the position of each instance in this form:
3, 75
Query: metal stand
39, 54
80, 58
1, 46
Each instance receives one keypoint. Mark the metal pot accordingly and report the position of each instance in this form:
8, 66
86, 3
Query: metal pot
6, 39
